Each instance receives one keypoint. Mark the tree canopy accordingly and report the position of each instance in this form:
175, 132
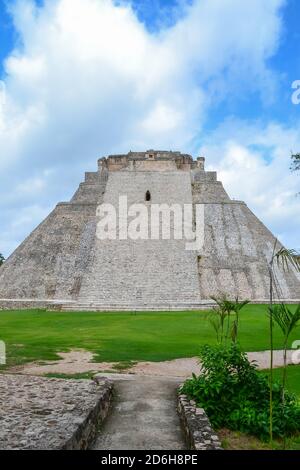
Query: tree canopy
295, 162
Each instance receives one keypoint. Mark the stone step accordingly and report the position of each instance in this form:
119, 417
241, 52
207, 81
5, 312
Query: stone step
100, 307
127, 272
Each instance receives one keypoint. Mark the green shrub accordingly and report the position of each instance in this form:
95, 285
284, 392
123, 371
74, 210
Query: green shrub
236, 396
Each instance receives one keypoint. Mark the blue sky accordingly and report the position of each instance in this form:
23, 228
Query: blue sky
6, 35
85, 78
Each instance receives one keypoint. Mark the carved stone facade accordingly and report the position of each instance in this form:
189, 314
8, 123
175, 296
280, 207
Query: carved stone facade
63, 263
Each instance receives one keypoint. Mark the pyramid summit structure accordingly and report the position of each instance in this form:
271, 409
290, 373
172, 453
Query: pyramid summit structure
64, 264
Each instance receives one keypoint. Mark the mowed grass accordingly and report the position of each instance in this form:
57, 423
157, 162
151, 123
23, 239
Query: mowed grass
293, 378
34, 335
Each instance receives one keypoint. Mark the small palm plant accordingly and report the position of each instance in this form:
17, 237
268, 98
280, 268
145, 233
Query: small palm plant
236, 307
286, 259
218, 318
221, 318
287, 322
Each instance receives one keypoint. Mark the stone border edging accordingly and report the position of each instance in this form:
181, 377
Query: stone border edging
196, 426
87, 431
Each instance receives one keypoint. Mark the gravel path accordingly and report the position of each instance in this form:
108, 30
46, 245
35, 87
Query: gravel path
186, 366
75, 362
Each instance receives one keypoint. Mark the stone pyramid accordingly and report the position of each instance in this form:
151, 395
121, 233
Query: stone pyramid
64, 265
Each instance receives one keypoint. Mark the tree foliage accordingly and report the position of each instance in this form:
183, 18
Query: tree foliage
295, 162
236, 396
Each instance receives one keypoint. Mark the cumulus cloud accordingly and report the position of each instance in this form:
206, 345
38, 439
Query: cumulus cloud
253, 163
88, 78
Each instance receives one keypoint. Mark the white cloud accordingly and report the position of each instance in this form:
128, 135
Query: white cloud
88, 77
253, 163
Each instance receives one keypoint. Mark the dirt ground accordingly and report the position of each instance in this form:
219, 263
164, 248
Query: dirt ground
75, 362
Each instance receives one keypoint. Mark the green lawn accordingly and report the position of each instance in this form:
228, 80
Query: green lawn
39, 335
293, 378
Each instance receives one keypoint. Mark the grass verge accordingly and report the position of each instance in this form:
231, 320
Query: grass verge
37, 335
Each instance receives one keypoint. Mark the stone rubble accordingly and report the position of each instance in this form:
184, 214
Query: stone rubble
52, 414
196, 425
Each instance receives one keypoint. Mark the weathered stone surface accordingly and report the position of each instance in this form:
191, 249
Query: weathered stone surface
38, 413
49, 264
63, 262
143, 416
197, 428
236, 253
147, 271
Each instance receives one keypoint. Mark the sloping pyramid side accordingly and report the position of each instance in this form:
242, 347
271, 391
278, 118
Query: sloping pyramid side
49, 264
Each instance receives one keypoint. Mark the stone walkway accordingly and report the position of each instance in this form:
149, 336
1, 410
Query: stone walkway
143, 416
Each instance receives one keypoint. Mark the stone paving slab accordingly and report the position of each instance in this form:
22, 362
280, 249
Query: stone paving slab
143, 417
40, 413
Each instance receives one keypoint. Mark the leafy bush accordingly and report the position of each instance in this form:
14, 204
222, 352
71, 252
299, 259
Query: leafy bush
235, 395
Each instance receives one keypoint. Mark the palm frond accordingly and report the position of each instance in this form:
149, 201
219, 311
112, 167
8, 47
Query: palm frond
215, 322
286, 258
238, 305
220, 301
285, 318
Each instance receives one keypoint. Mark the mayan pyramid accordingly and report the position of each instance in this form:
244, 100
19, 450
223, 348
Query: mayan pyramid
63, 264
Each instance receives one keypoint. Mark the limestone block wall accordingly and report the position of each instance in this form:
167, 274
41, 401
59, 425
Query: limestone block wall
209, 192
148, 165
50, 262
52, 414
43, 266
143, 271
236, 253
64, 260
196, 426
